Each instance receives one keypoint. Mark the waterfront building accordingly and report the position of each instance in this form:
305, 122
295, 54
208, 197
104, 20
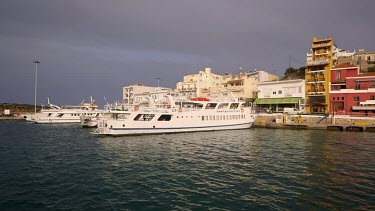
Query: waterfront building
136, 93
241, 86
338, 55
200, 84
317, 76
364, 60
262, 75
352, 93
277, 95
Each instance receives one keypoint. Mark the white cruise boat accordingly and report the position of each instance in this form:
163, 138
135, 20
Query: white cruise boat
178, 116
90, 121
66, 114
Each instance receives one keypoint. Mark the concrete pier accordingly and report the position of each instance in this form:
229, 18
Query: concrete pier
331, 123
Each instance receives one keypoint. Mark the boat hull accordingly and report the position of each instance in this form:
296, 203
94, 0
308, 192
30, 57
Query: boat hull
56, 121
164, 130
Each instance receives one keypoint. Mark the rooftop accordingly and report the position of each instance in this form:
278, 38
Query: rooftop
344, 65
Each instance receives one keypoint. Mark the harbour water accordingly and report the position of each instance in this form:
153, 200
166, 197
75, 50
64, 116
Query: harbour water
64, 167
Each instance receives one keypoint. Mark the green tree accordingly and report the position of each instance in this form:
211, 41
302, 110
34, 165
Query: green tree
371, 69
292, 73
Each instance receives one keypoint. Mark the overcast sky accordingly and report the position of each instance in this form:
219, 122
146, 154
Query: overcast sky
94, 48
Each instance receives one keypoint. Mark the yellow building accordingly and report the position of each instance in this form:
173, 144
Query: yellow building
317, 76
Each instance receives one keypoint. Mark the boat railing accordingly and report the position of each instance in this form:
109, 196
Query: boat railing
163, 110
101, 130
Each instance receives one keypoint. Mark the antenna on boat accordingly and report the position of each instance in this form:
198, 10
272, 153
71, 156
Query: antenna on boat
48, 101
106, 100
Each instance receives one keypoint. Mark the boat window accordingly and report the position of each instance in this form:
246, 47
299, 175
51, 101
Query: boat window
211, 105
144, 117
198, 106
223, 106
49, 114
233, 106
165, 117
202, 118
122, 116
60, 115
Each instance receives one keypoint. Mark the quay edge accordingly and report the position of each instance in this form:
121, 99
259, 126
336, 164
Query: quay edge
315, 122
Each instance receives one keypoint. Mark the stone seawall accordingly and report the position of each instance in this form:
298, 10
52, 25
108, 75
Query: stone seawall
264, 119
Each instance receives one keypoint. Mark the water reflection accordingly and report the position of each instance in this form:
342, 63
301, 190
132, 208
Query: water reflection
68, 168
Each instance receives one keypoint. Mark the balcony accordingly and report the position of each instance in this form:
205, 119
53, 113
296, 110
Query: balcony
320, 45
316, 91
317, 62
321, 54
316, 80
315, 71
235, 88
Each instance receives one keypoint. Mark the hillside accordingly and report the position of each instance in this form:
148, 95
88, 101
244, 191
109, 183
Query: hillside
18, 108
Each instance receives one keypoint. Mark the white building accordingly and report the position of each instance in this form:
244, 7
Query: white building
277, 95
262, 75
137, 93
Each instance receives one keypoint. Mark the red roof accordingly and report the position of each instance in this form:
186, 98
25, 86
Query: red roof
344, 65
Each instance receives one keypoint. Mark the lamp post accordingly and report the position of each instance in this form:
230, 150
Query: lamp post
158, 81
36, 62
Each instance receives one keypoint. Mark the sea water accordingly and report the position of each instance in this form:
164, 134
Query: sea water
64, 167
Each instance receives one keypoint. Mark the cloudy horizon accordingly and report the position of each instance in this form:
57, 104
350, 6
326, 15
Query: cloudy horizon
94, 48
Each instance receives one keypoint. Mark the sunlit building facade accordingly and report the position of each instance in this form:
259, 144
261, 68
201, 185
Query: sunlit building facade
317, 76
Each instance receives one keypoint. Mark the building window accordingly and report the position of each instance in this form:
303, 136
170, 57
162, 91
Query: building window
338, 75
372, 84
372, 97
334, 98
342, 98
356, 98
357, 86
280, 92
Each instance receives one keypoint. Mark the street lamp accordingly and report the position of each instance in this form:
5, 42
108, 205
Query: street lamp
36, 62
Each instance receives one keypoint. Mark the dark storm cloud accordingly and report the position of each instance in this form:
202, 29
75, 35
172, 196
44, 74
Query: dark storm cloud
95, 47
